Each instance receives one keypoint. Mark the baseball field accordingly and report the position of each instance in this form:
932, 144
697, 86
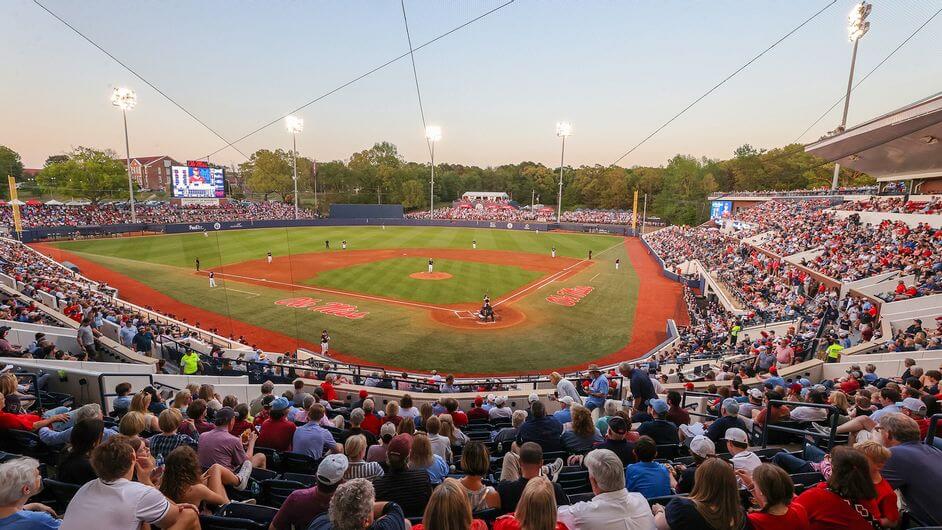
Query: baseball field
381, 306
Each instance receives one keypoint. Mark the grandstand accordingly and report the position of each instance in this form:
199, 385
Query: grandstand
815, 324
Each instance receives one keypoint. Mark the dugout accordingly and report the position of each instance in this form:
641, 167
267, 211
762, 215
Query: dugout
366, 211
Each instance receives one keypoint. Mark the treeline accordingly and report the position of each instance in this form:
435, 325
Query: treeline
676, 191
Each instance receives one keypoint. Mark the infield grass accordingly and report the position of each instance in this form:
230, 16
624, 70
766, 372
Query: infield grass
552, 335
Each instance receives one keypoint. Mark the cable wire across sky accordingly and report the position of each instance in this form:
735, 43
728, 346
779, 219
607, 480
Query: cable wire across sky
721, 83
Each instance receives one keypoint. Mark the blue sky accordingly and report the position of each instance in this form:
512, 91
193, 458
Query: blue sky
615, 69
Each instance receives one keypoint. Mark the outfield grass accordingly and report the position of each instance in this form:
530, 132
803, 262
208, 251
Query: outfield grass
470, 280
552, 335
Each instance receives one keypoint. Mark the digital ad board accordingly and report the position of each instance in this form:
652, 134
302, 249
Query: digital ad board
197, 180
719, 209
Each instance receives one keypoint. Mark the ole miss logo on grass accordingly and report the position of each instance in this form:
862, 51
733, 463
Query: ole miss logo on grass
569, 296
336, 309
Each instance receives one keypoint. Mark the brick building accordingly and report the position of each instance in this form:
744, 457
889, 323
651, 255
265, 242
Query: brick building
152, 172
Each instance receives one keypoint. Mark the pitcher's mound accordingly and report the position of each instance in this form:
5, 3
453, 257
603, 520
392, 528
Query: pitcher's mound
430, 275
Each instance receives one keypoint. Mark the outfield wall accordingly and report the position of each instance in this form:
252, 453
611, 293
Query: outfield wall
38, 234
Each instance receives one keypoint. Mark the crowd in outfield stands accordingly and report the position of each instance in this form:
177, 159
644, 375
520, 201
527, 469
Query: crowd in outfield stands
851, 190
505, 211
932, 206
158, 213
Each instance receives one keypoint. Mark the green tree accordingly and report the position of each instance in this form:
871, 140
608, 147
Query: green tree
269, 172
10, 164
413, 195
87, 173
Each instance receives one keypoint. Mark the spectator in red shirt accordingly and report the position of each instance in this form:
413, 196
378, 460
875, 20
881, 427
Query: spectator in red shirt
277, 432
451, 407
477, 412
842, 501
371, 422
675, 413
241, 424
915, 408
26, 422
328, 387
877, 455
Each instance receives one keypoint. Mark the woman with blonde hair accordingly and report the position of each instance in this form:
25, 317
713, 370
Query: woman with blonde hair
141, 403
392, 413
422, 457
181, 400
354, 448
448, 430
448, 509
582, 434
132, 424
713, 504
839, 400
536, 509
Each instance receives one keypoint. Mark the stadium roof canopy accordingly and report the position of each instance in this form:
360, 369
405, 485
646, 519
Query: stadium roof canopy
903, 144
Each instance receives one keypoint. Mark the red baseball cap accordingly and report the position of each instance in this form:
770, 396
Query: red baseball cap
478, 401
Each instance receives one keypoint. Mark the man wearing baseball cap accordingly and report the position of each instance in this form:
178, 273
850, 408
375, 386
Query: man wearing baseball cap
500, 408
660, 430
701, 448
616, 442
477, 412
564, 414
737, 443
598, 388
729, 418
277, 432
915, 409
409, 488
302, 506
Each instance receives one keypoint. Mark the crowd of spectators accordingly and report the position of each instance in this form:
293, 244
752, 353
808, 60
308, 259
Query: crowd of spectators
822, 191
48, 216
932, 206
464, 210
175, 459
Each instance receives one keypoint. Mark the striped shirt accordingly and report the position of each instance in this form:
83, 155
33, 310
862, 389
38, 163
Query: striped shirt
367, 470
162, 444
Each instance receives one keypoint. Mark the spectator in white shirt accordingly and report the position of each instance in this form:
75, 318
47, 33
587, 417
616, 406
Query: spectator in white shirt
737, 443
613, 506
811, 413
564, 387
500, 408
114, 502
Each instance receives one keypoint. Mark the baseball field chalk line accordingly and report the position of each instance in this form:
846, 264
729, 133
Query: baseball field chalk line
594, 277
545, 281
551, 278
241, 291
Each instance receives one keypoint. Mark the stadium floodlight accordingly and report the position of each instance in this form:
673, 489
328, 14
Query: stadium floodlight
855, 31
858, 25
563, 130
126, 99
433, 133
295, 125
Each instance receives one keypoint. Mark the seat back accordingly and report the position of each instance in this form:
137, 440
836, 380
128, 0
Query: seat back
237, 510
62, 492
303, 478
807, 479
275, 491
216, 522
299, 463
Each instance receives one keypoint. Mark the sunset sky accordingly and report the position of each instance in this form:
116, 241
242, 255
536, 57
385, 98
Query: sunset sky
615, 69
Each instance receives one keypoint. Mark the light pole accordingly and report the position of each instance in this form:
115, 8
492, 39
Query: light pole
126, 99
857, 28
433, 133
563, 129
295, 125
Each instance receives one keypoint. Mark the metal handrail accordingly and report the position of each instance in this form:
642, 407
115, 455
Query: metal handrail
694, 394
833, 414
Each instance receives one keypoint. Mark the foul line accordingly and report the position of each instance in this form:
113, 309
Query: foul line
551, 278
331, 291
241, 291
545, 281
594, 277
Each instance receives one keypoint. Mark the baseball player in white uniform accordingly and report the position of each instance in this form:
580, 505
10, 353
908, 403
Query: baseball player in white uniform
431, 265
269, 256
212, 279
554, 252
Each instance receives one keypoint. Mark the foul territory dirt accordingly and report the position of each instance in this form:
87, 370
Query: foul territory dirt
658, 297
